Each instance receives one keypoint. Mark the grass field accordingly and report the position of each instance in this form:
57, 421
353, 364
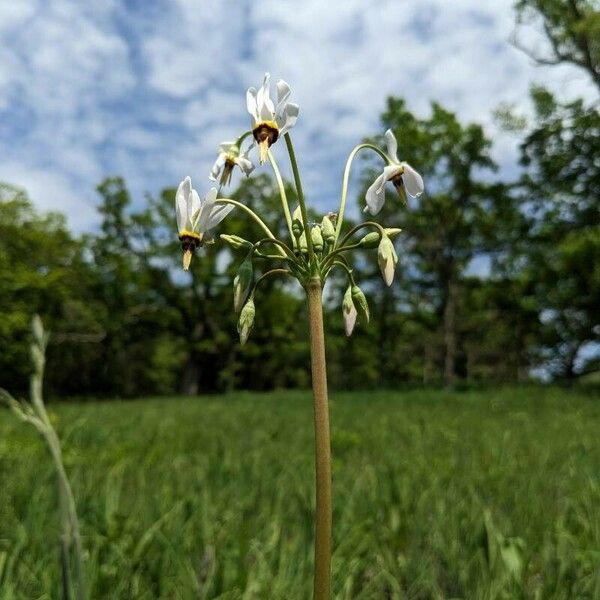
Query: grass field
436, 495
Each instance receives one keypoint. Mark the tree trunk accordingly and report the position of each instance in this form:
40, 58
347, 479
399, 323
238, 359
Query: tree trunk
450, 333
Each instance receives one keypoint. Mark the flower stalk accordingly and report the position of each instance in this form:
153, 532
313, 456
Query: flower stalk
314, 249
323, 505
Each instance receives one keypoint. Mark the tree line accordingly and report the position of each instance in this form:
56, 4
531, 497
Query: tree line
497, 279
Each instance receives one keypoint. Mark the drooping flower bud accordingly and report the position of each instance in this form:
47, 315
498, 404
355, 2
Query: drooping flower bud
246, 321
328, 230
297, 226
387, 258
360, 301
349, 312
242, 283
235, 241
370, 241
317, 238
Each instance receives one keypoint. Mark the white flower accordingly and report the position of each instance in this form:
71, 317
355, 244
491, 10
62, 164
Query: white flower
229, 156
195, 217
269, 121
405, 179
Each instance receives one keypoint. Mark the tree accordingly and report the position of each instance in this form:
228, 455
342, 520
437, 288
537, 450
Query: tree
571, 29
42, 270
561, 187
445, 229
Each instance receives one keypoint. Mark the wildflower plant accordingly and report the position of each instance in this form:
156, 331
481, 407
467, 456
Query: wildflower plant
309, 255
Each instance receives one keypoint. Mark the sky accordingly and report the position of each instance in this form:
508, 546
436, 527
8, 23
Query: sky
146, 89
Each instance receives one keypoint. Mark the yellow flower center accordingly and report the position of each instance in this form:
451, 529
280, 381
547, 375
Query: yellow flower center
185, 235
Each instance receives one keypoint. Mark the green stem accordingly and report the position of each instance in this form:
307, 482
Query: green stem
362, 226
322, 576
346, 179
242, 138
340, 262
301, 202
282, 194
336, 253
268, 274
278, 243
252, 214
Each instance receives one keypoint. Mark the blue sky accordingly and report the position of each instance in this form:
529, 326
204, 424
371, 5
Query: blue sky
147, 89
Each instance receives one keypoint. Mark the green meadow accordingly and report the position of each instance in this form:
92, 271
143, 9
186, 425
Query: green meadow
487, 495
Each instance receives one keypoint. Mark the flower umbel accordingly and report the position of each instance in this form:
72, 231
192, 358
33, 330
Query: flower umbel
269, 120
195, 217
405, 179
229, 155
310, 254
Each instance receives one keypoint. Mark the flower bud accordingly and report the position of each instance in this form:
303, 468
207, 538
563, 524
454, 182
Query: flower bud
328, 230
387, 258
297, 226
370, 241
302, 244
317, 238
235, 241
246, 321
360, 302
349, 312
242, 282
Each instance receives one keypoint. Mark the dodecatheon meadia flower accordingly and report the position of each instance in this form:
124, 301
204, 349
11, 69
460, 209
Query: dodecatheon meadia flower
405, 179
195, 217
229, 156
269, 120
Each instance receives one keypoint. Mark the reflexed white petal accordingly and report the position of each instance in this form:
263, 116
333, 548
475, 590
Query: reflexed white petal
218, 214
211, 195
245, 165
266, 108
216, 169
413, 182
289, 117
389, 172
225, 146
392, 145
375, 195
208, 205
283, 93
251, 103
181, 197
194, 206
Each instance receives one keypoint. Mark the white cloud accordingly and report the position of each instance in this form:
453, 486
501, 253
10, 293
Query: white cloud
52, 191
94, 89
